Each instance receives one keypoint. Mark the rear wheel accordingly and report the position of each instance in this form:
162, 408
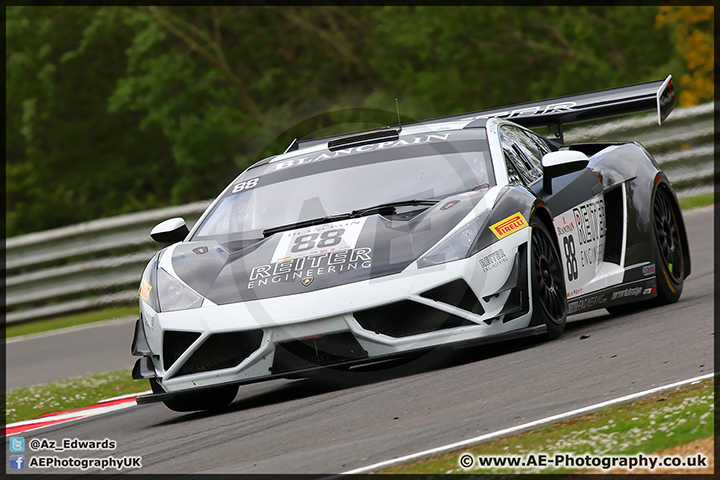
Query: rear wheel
669, 258
548, 283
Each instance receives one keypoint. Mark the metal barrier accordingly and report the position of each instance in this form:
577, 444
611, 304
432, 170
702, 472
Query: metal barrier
683, 145
97, 264
87, 266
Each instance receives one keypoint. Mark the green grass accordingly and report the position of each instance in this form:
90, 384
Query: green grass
69, 321
31, 402
648, 425
696, 202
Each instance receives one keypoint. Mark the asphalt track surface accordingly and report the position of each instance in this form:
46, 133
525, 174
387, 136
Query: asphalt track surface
302, 426
72, 352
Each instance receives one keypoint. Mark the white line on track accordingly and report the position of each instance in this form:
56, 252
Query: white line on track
127, 395
524, 426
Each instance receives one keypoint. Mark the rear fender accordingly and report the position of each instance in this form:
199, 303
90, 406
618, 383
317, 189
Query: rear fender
630, 164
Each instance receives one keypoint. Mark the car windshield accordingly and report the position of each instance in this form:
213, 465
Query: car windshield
317, 185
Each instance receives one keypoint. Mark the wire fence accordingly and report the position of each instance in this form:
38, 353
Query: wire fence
97, 264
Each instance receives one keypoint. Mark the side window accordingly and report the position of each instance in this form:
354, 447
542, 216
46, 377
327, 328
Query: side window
542, 145
513, 174
522, 151
530, 151
516, 166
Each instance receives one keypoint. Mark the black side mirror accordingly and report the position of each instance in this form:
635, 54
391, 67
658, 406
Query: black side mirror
562, 162
170, 231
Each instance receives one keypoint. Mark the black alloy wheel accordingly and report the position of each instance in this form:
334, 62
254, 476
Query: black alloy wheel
548, 282
667, 235
670, 250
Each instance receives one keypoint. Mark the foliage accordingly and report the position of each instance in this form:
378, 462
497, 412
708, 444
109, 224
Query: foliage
695, 40
122, 108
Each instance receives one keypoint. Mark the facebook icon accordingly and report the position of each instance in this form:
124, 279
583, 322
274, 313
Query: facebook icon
17, 462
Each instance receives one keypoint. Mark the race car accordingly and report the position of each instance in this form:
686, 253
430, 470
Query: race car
456, 231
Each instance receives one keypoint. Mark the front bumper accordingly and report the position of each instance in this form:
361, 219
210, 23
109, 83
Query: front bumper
414, 309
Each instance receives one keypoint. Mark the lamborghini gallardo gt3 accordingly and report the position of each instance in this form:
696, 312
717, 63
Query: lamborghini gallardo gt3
455, 231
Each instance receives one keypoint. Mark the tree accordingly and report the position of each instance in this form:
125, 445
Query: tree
694, 38
67, 158
116, 109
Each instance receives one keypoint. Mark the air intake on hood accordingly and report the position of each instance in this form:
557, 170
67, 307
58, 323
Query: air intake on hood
364, 139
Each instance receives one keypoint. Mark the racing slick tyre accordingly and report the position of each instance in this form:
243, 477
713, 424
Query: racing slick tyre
669, 260
669, 254
548, 283
212, 399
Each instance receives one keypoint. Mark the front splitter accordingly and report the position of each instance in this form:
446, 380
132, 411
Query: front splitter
515, 334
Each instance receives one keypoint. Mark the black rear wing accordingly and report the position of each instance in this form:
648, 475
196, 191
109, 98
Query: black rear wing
658, 95
554, 113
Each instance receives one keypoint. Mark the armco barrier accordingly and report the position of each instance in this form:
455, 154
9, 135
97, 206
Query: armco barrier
97, 264
86, 266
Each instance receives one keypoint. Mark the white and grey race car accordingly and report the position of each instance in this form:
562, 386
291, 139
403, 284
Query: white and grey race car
455, 231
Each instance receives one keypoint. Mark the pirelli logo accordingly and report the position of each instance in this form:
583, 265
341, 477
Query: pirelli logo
509, 225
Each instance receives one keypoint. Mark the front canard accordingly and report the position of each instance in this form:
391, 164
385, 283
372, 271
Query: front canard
509, 225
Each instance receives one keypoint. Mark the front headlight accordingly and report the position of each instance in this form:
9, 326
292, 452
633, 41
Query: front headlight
147, 283
456, 246
173, 295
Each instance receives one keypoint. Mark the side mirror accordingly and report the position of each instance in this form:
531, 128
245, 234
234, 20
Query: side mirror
562, 162
170, 231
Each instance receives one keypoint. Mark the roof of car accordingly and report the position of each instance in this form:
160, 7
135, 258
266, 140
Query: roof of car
416, 133
414, 128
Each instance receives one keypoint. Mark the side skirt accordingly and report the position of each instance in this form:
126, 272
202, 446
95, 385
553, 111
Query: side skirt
616, 295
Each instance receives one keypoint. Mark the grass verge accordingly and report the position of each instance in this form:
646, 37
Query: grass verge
647, 425
704, 200
69, 321
31, 402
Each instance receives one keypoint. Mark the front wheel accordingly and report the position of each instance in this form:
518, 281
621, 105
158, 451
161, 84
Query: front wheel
548, 283
211, 399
